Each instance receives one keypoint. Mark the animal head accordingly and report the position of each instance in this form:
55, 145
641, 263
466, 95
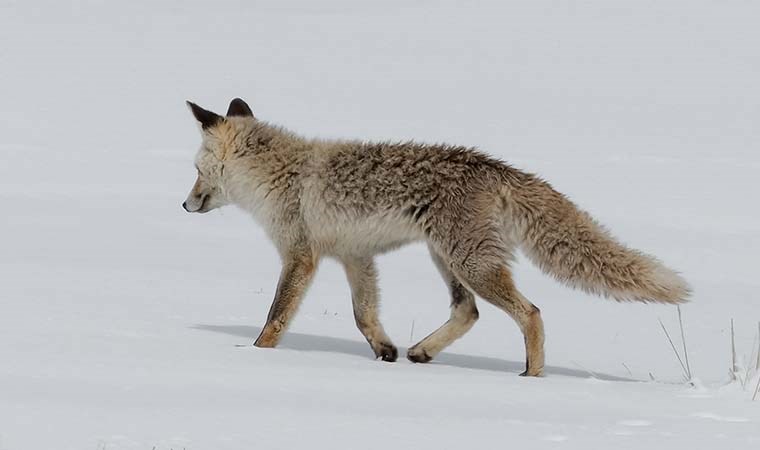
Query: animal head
220, 138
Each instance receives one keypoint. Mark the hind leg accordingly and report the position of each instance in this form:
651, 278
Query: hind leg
364, 295
475, 241
464, 314
495, 285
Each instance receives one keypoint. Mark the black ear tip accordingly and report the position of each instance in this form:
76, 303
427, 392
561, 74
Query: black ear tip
238, 107
205, 117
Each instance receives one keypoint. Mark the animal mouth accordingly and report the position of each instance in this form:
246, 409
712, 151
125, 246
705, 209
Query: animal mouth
202, 209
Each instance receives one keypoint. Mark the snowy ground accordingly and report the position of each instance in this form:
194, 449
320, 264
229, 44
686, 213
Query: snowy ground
121, 315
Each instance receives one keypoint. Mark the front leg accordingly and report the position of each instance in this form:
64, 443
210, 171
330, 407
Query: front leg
364, 296
297, 273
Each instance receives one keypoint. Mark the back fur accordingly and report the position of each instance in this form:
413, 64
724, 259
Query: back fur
569, 244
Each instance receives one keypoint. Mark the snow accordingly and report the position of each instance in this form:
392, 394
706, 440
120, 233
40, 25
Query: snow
126, 323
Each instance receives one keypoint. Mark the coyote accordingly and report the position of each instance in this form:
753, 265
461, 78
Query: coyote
352, 200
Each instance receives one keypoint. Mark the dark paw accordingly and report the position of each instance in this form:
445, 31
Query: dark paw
418, 356
387, 352
532, 373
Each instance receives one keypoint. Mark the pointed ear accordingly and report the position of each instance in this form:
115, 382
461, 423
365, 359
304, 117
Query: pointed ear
239, 108
206, 118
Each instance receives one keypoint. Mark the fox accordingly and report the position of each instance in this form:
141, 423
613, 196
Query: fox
352, 200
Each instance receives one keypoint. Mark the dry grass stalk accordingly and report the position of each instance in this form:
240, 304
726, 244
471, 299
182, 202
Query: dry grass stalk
683, 342
733, 353
757, 364
673, 346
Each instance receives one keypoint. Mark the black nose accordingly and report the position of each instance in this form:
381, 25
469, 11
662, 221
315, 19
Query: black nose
184, 206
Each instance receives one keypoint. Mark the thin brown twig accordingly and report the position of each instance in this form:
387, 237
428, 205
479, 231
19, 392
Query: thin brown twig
757, 364
673, 346
755, 351
683, 342
733, 352
748, 369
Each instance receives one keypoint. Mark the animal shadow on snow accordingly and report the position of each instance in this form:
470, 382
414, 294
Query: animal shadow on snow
315, 343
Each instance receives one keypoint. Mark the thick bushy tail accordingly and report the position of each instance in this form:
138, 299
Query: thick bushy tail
569, 244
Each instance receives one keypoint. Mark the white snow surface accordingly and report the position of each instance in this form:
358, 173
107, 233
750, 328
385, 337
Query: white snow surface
126, 323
